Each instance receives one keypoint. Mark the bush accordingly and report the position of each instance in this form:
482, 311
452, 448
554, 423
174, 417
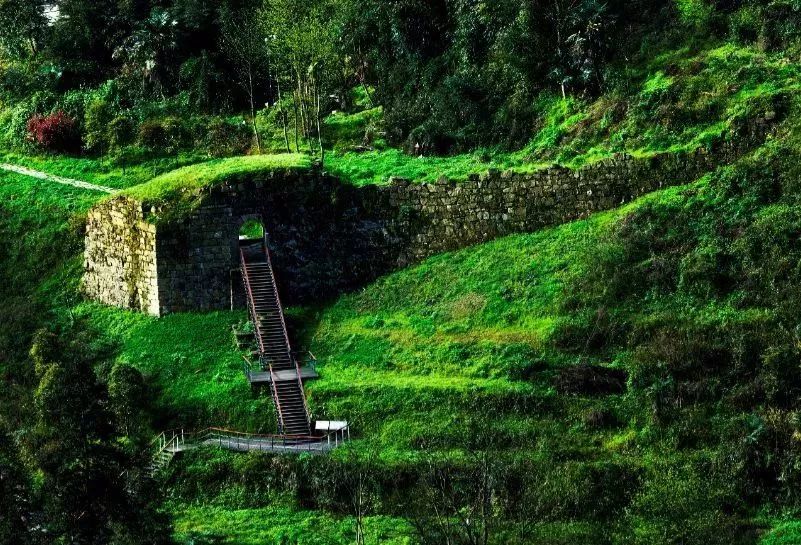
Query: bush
153, 135
703, 272
692, 503
600, 419
695, 12
165, 135
14, 125
56, 132
96, 122
121, 132
223, 138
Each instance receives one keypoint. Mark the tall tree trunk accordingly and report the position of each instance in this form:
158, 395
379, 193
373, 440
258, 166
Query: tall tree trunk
363, 78
318, 106
304, 115
251, 93
295, 106
282, 113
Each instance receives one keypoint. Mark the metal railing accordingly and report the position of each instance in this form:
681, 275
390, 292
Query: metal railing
257, 327
167, 440
175, 440
302, 359
286, 334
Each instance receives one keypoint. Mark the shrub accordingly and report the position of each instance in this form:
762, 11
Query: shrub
691, 503
121, 132
96, 120
695, 12
600, 419
595, 331
223, 138
165, 135
56, 132
152, 134
780, 374
745, 24
14, 124
703, 272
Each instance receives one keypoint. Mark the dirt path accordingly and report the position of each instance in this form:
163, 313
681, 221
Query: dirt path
53, 178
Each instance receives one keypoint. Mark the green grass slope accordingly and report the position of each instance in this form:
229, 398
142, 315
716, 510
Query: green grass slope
188, 179
691, 294
282, 525
109, 172
670, 99
691, 291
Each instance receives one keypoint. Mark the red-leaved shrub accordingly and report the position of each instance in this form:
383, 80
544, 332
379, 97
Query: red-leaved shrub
56, 132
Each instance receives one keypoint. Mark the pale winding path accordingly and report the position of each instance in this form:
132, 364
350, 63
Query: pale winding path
53, 178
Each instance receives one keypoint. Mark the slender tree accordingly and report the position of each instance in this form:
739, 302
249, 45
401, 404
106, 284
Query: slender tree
456, 505
244, 44
304, 39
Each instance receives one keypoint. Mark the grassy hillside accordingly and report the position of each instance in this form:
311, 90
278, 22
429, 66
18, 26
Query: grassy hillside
502, 348
632, 378
672, 100
688, 291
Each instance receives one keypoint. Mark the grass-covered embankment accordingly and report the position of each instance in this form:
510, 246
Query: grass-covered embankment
687, 290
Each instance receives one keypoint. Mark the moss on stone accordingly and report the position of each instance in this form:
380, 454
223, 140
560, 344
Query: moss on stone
180, 188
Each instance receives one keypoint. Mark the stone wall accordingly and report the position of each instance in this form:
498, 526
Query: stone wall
328, 237
120, 256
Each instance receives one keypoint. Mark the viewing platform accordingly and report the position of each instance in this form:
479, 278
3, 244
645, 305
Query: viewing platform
265, 377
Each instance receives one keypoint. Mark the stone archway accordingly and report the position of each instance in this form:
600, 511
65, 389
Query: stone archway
252, 228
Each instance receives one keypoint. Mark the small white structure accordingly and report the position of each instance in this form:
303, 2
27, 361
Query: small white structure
340, 429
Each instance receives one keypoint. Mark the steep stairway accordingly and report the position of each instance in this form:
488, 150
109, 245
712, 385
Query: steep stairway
275, 351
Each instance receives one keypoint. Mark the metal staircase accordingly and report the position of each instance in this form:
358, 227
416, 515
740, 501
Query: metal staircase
275, 352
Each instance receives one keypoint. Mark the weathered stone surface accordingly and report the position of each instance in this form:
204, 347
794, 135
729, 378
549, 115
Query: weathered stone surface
120, 256
328, 237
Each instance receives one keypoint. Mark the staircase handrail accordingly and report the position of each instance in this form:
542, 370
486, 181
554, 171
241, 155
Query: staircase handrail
177, 438
247, 366
306, 358
257, 327
181, 436
286, 334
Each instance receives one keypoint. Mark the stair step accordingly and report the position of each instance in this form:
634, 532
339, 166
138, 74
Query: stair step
274, 350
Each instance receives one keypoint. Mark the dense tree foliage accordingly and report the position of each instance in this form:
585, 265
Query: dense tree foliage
466, 72
450, 74
85, 471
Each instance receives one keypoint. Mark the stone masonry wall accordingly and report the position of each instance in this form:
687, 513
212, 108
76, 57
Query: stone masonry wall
328, 237
120, 256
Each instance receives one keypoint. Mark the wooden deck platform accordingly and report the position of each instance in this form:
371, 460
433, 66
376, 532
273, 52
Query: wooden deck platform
263, 377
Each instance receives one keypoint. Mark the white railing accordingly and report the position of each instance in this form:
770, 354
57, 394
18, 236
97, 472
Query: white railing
174, 441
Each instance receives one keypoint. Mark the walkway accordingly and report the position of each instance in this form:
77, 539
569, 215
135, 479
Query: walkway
53, 178
255, 444
168, 444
